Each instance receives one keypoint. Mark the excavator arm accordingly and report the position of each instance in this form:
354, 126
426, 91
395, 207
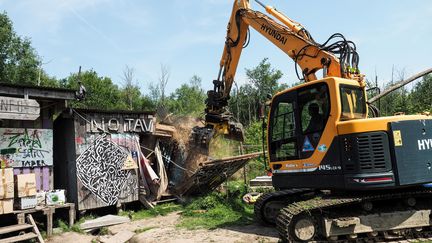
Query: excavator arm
289, 36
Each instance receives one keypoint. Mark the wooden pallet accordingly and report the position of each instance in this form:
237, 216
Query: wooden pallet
21, 231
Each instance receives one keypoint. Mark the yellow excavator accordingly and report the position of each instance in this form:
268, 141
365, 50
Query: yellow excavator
340, 172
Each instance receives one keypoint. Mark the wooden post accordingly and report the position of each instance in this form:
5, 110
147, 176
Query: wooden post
49, 214
72, 215
244, 167
21, 218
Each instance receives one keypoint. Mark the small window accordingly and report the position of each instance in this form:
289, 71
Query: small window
353, 102
283, 122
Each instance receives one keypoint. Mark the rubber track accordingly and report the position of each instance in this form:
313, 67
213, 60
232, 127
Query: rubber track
272, 196
286, 214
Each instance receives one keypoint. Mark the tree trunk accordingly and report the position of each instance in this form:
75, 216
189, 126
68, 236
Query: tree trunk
400, 84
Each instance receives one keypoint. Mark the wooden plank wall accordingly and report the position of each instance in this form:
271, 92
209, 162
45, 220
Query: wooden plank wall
90, 197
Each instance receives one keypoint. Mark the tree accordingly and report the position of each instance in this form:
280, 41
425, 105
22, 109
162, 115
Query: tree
264, 78
189, 99
158, 90
246, 100
131, 93
19, 62
420, 97
396, 101
101, 92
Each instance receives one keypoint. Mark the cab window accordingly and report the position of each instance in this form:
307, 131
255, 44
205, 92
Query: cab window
314, 108
353, 102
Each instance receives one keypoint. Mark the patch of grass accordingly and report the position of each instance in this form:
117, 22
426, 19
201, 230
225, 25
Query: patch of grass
103, 231
76, 227
44, 234
63, 226
140, 230
161, 209
217, 210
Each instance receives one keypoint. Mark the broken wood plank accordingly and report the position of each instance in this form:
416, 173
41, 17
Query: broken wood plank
120, 237
106, 220
232, 158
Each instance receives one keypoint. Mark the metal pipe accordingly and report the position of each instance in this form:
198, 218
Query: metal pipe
295, 27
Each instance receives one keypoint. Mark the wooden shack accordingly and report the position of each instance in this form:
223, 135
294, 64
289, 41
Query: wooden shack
27, 116
97, 155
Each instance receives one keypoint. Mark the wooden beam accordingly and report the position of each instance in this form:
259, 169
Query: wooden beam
37, 92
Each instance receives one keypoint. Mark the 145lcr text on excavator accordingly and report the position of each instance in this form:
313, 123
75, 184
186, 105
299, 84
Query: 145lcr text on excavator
338, 174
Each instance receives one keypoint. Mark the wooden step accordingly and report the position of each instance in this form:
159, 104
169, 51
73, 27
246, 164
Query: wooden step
13, 228
26, 236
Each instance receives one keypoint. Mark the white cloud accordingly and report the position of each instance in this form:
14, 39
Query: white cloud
42, 16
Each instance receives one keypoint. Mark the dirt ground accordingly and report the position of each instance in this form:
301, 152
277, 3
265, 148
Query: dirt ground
163, 229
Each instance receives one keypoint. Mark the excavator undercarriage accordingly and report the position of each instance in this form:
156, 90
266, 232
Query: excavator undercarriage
304, 215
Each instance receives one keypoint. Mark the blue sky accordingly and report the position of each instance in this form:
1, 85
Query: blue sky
188, 36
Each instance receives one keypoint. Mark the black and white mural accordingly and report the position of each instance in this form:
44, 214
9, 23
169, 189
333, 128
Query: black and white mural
100, 170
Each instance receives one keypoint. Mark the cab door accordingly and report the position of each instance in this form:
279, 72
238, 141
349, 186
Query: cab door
283, 128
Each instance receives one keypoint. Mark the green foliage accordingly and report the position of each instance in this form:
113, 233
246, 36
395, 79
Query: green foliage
144, 229
63, 225
103, 231
414, 101
76, 227
160, 209
101, 92
253, 133
216, 210
246, 99
396, 101
420, 98
19, 62
189, 99
264, 78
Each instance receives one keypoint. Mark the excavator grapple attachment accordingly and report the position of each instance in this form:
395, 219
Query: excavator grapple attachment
201, 136
235, 131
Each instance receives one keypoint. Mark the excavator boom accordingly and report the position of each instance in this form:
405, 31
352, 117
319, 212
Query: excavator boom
289, 36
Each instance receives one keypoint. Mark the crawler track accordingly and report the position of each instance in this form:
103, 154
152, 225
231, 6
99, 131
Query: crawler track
339, 206
285, 196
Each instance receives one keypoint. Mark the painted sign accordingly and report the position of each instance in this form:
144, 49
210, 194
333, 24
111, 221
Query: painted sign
21, 147
18, 109
121, 124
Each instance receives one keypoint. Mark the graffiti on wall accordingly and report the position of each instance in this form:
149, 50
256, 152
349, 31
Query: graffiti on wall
21, 147
100, 170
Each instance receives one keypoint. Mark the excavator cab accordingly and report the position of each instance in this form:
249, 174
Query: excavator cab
297, 120
303, 137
